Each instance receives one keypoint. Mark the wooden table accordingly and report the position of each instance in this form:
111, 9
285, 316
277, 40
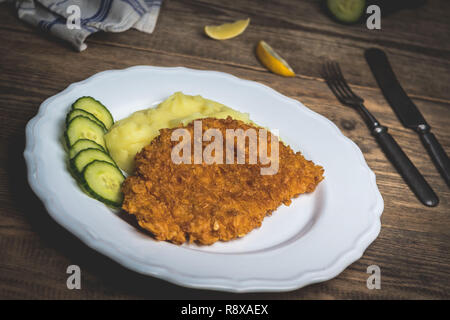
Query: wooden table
413, 248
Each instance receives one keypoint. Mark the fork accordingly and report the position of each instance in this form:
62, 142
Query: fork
332, 74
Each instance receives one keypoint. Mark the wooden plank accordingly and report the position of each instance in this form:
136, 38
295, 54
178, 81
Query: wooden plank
413, 249
36, 268
419, 52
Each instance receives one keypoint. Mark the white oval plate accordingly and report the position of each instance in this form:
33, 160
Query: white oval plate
312, 240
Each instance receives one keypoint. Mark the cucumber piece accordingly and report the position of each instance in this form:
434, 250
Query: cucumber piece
95, 107
103, 181
79, 112
86, 156
83, 144
81, 127
346, 11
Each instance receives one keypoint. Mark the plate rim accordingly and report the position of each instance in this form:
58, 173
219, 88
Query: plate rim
231, 285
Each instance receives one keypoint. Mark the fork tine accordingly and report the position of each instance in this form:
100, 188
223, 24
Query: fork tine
328, 79
334, 80
332, 83
344, 82
339, 80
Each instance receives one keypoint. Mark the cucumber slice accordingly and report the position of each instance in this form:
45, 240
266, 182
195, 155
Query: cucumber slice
86, 156
79, 112
103, 181
84, 128
347, 11
83, 144
95, 107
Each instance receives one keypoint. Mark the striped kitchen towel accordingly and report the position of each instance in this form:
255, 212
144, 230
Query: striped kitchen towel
75, 20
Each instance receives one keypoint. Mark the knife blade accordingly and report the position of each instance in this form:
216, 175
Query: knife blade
406, 110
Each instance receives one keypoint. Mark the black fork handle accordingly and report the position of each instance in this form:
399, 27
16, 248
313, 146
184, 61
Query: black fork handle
405, 167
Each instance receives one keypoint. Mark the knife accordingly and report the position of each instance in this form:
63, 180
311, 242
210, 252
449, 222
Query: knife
406, 110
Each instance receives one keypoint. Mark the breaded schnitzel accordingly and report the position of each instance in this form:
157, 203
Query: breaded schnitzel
205, 203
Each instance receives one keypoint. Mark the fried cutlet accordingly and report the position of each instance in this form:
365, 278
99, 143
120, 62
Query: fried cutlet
205, 203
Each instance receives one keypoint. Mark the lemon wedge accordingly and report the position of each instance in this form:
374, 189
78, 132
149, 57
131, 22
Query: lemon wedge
272, 60
227, 30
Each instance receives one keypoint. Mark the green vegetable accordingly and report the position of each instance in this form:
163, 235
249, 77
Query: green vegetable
83, 144
86, 156
96, 108
78, 112
346, 11
95, 171
82, 127
103, 181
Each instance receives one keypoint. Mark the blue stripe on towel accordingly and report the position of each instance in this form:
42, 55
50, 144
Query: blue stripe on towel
46, 25
58, 20
136, 6
101, 13
61, 2
152, 3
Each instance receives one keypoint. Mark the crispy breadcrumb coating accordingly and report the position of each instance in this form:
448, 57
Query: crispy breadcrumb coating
205, 203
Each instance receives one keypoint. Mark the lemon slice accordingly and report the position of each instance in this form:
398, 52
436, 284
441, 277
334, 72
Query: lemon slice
272, 61
227, 30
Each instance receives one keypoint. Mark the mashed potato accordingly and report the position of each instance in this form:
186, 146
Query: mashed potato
128, 136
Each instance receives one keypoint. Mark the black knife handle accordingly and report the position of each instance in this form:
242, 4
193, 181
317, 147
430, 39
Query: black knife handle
437, 153
405, 167
405, 109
